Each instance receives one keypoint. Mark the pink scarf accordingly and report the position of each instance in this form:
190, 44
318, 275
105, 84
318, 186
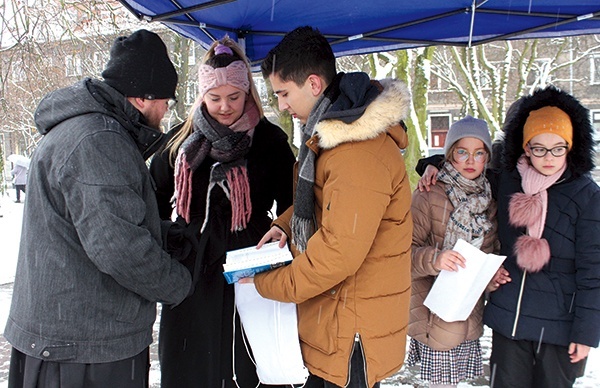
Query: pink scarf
226, 145
528, 209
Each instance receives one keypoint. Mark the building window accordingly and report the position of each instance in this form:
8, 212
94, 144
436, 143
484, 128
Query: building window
436, 84
73, 65
192, 56
99, 60
595, 118
439, 124
595, 70
595, 114
191, 91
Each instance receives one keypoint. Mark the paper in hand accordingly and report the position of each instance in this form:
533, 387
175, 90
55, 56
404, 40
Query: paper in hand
454, 294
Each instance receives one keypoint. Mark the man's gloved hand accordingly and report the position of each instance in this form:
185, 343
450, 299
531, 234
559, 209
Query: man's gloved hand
178, 240
181, 242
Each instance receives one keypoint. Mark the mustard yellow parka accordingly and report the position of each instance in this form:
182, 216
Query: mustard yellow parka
352, 284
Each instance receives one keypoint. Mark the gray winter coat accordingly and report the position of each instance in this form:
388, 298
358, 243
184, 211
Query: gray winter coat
91, 267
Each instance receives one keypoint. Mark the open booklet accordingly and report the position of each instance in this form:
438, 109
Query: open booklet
246, 262
455, 294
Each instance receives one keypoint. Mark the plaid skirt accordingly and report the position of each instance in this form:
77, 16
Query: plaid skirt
447, 367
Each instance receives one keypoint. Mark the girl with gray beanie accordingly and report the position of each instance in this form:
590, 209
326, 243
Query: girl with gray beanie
460, 206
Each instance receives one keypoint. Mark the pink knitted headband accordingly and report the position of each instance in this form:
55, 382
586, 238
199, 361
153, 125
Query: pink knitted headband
235, 74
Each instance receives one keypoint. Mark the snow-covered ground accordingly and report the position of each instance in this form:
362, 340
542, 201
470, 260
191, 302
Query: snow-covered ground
10, 231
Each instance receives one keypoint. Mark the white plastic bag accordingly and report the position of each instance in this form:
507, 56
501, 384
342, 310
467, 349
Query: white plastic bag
272, 330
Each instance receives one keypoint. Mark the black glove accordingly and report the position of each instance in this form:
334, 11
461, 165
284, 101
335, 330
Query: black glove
179, 240
436, 160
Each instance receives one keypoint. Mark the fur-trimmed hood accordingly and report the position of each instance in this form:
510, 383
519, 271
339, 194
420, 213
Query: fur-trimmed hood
386, 110
580, 159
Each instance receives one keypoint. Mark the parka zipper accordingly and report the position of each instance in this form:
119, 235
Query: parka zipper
357, 342
518, 310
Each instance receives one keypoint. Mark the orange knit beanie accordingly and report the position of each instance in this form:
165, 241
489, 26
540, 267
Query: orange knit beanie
548, 119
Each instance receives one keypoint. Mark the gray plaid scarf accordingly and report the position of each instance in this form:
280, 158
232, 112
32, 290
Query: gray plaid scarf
303, 220
471, 199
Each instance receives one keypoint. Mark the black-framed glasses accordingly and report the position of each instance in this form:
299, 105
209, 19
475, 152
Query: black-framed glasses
540, 152
462, 155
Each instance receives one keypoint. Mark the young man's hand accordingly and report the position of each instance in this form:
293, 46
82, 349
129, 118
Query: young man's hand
274, 234
428, 178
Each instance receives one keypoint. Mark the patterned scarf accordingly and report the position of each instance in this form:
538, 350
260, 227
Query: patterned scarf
471, 198
528, 209
303, 220
228, 146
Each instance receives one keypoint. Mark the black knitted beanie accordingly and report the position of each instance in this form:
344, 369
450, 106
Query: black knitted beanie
139, 66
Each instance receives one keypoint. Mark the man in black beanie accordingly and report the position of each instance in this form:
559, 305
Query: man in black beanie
140, 69
91, 261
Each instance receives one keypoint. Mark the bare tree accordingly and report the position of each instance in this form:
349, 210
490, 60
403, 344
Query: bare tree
45, 46
52, 44
412, 67
489, 77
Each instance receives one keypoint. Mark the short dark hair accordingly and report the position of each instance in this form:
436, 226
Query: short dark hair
301, 52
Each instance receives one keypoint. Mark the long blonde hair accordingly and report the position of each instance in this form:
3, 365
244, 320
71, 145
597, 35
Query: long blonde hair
213, 60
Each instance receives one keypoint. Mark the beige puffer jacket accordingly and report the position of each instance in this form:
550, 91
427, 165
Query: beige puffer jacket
431, 211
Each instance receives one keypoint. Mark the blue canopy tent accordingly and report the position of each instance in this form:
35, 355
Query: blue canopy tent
366, 26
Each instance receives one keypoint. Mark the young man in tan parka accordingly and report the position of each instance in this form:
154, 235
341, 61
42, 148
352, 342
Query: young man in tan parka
350, 225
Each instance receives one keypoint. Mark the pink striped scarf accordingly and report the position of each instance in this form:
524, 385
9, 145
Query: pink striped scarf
226, 145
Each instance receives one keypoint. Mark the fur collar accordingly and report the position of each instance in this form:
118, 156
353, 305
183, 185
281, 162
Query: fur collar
390, 106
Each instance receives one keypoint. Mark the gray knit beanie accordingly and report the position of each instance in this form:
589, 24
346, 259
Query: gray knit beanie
468, 127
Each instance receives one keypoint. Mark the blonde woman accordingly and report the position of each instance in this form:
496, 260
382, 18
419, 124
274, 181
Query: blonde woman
225, 167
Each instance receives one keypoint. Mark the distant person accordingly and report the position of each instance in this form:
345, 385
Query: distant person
19, 174
459, 206
227, 166
91, 264
545, 320
350, 225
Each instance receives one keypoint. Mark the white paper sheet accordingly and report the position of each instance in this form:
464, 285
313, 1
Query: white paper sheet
454, 294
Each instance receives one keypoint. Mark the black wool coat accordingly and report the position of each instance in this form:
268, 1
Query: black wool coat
195, 340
